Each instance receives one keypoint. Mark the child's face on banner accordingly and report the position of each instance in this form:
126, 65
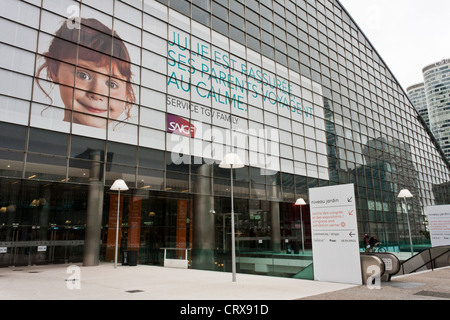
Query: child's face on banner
96, 95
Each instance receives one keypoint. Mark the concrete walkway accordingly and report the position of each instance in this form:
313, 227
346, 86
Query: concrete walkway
104, 282
141, 282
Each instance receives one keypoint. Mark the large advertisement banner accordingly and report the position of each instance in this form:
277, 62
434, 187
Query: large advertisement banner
215, 88
152, 77
334, 230
439, 224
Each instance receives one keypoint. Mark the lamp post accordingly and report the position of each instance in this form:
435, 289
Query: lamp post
300, 202
118, 185
230, 161
404, 193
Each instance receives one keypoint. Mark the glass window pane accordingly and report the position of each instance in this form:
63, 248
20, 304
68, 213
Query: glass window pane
115, 171
121, 153
86, 148
149, 179
11, 163
45, 168
12, 136
15, 85
48, 142
150, 158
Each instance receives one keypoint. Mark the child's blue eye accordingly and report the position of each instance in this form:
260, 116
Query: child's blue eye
83, 75
113, 85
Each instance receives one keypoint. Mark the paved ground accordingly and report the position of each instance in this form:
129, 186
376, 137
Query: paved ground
428, 285
104, 282
142, 282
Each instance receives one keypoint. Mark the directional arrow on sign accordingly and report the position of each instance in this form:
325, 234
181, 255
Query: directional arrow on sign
351, 234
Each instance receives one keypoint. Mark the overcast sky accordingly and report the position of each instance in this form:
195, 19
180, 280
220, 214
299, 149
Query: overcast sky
408, 34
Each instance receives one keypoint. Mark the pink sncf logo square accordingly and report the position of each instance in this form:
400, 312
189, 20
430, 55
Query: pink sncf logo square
180, 126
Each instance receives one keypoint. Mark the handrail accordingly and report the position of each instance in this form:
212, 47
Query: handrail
430, 261
176, 263
391, 261
185, 250
367, 262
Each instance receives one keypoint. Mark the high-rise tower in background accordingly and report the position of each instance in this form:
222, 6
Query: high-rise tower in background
418, 97
432, 101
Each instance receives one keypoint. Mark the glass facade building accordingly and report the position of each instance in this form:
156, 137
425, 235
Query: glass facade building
157, 92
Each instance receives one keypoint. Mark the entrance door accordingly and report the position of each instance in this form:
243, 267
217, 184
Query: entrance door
41, 222
165, 223
22, 245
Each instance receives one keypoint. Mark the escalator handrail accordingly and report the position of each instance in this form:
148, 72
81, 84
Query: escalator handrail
428, 261
379, 254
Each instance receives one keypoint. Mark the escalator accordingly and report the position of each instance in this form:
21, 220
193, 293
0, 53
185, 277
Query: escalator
428, 259
388, 265
385, 265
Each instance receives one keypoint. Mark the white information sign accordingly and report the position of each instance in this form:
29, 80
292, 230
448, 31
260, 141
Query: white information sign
335, 244
439, 224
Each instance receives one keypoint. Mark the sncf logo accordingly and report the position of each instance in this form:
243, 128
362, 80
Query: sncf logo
180, 126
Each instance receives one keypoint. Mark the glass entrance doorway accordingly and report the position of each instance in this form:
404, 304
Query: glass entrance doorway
148, 223
40, 223
22, 245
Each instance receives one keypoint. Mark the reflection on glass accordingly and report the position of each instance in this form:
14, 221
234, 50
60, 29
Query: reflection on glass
45, 168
